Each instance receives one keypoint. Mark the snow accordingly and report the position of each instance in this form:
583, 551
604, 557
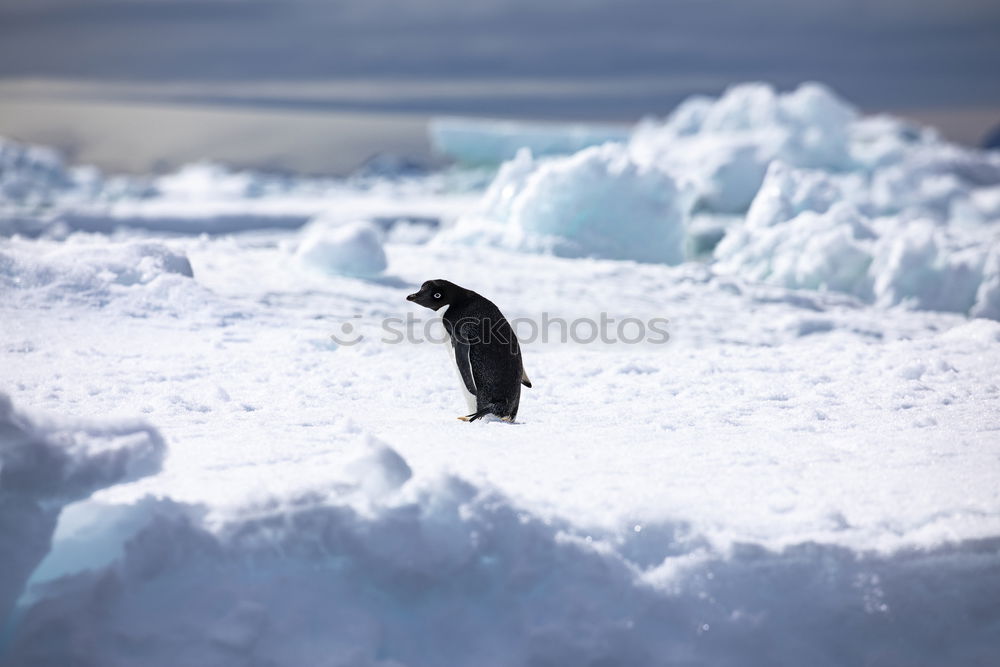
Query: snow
780, 450
350, 249
45, 466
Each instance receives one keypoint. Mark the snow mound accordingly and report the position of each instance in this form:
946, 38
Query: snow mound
596, 203
87, 270
923, 266
725, 145
796, 236
937, 180
475, 141
47, 465
351, 249
393, 570
810, 251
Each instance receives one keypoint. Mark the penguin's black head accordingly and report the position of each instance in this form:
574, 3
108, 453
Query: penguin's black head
434, 294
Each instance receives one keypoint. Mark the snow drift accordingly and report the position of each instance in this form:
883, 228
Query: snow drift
89, 271
45, 466
382, 567
352, 249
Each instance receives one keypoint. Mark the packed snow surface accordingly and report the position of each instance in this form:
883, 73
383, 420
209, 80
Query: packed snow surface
764, 426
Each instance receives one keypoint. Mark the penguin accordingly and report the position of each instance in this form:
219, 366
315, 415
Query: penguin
484, 348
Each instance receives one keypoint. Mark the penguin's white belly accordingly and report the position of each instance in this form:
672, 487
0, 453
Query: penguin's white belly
470, 400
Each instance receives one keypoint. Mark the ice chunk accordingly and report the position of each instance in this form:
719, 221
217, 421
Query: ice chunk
787, 192
812, 250
351, 249
799, 234
475, 141
724, 146
913, 265
47, 465
596, 203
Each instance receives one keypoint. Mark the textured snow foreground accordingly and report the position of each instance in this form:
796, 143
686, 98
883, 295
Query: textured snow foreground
805, 473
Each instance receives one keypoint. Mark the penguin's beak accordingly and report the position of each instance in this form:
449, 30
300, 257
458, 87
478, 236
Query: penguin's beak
412, 297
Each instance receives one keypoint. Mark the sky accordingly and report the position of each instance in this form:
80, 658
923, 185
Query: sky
601, 59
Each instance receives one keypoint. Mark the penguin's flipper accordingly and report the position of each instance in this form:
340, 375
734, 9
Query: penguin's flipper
464, 365
524, 379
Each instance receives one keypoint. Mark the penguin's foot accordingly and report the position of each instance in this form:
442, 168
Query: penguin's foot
478, 414
483, 413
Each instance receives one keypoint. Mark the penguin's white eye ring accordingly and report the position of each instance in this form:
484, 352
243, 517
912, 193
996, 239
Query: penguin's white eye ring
437, 295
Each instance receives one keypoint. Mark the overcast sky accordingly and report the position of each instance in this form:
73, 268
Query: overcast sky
596, 58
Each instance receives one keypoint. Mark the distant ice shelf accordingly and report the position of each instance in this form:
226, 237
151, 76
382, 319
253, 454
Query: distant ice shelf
489, 142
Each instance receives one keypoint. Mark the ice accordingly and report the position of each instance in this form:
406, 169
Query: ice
724, 146
350, 249
476, 141
800, 232
769, 156
737, 489
595, 203
810, 251
787, 191
46, 465
914, 265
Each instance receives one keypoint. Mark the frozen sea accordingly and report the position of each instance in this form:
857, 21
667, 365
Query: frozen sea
764, 428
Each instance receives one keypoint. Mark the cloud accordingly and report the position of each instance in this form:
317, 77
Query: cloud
889, 52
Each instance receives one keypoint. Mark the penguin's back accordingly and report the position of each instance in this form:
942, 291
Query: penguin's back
494, 353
